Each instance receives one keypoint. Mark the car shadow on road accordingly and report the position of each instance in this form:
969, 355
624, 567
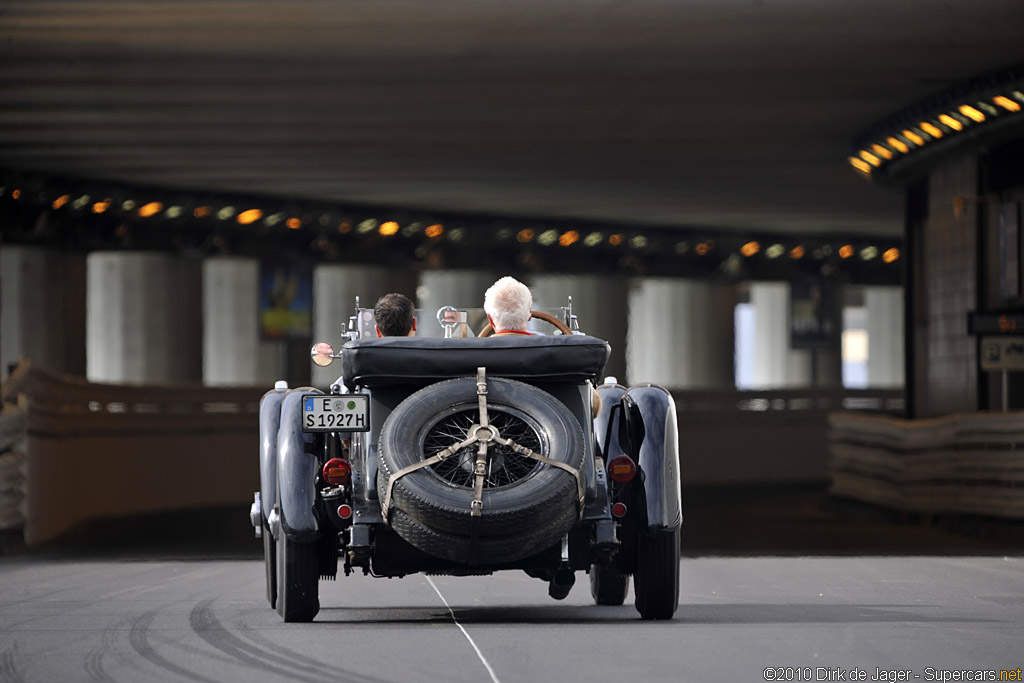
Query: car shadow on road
722, 614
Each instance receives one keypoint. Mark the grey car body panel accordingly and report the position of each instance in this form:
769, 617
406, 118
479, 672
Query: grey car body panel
296, 470
270, 419
659, 457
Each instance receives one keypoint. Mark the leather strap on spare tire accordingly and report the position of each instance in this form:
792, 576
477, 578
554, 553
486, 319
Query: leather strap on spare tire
503, 456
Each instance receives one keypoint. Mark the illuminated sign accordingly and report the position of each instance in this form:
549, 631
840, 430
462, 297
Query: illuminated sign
995, 323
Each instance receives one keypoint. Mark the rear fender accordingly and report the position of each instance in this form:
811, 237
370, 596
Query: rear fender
606, 424
658, 457
296, 470
270, 421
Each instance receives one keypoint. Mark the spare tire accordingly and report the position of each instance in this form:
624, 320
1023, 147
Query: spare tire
521, 495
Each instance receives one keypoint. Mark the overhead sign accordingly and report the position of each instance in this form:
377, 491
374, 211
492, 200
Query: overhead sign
995, 323
286, 300
1002, 353
811, 314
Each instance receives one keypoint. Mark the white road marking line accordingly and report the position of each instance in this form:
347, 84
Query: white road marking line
494, 677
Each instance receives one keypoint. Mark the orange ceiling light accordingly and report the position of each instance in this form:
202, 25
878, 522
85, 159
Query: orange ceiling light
881, 151
525, 235
434, 231
702, 248
950, 122
913, 137
797, 252
870, 158
615, 240
1006, 103
150, 209
890, 255
931, 130
750, 248
249, 216
293, 223
568, 238
388, 228
100, 207
897, 144
860, 165
202, 211
846, 251
61, 201
972, 113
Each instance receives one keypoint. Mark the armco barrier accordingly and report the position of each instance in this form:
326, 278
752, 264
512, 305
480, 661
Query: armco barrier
967, 463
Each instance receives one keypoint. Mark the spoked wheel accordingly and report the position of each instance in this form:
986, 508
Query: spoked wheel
270, 564
656, 582
607, 584
520, 495
505, 467
298, 577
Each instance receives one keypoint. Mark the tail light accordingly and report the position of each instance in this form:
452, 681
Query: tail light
621, 469
345, 511
619, 510
337, 472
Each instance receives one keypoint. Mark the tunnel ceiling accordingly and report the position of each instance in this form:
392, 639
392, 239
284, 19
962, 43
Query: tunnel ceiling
711, 113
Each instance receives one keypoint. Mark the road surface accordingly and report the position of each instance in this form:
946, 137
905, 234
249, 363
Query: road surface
801, 618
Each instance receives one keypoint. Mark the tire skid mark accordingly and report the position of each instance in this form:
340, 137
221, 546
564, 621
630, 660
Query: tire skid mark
8, 667
93, 664
208, 627
291, 656
139, 638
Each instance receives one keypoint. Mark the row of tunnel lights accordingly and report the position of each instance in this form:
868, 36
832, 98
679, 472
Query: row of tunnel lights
436, 230
908, 139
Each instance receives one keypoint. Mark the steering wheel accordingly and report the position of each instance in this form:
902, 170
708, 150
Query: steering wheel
539, 315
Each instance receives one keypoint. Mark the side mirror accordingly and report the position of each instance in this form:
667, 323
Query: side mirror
322, 354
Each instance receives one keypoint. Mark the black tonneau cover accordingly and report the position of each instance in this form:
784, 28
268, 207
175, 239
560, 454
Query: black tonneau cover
417, 360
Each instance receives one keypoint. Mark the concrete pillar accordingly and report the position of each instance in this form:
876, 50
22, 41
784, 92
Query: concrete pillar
600, 303
458, 288
143, 318
775, 364
335, 288
680, 334
42, 308
233, 352
884, 307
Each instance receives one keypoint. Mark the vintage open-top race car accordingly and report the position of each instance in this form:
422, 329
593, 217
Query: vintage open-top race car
463, 455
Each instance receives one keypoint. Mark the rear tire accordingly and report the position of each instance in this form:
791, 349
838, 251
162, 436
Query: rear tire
607, 585
270, 564
298, 578
656, 582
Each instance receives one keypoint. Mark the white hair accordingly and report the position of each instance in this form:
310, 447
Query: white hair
508, 301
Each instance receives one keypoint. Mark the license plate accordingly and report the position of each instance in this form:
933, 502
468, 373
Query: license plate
335, 413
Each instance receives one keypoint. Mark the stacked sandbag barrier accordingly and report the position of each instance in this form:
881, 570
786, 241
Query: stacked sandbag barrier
12, 475
968, 463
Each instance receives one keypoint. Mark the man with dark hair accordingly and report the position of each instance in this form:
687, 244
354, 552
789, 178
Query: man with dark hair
394, 316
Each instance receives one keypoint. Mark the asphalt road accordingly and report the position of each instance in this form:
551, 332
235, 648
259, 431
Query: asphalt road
207, 620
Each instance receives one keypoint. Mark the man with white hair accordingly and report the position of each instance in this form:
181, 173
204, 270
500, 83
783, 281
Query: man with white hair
508, 303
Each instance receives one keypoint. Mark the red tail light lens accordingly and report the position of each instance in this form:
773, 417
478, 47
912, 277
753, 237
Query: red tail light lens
619, 510
345, 511
337, 472
621, 469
